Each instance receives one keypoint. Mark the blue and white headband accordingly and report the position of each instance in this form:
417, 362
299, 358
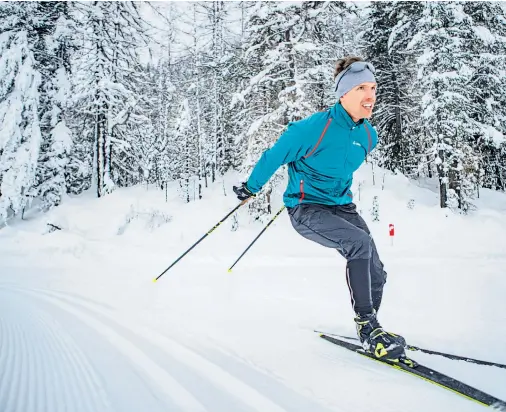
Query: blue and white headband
354, 75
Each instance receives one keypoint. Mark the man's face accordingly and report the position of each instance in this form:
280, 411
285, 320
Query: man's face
359, 101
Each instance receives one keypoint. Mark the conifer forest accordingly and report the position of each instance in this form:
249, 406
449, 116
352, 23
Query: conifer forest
96, 96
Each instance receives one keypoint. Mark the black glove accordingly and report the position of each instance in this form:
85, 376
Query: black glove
243, 192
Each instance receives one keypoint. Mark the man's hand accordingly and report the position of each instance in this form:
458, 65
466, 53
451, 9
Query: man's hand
243, 192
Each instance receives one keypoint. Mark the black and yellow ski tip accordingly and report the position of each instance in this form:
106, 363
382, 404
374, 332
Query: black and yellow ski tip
154, 280
230, 270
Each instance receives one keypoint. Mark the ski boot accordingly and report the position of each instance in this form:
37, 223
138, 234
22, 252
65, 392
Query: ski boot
375, 340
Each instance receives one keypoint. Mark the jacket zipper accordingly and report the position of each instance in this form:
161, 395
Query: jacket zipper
301, 190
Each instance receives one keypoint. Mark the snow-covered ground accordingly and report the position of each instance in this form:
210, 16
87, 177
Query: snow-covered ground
84, 328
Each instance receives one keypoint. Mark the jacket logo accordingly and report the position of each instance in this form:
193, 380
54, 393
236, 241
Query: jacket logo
359, 145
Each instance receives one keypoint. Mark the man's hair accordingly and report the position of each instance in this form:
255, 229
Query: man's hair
344, 63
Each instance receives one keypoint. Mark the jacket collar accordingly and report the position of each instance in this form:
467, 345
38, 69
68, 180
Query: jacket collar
342, 117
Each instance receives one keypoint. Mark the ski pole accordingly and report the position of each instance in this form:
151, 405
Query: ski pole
260, 234
202, 238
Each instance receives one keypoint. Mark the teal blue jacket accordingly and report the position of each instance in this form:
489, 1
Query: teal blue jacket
322, 152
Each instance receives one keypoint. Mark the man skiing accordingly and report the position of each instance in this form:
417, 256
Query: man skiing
322, 152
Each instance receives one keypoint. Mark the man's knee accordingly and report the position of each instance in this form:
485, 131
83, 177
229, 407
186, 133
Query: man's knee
361, 247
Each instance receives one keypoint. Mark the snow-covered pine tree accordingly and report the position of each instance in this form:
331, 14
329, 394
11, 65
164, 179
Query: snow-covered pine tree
489, 100
53, 28
260, 96
388, 28
212, 69
78, 170
212, 56
209, 67
444, 71
192, 97
144, 143
331, 30
239, 74
162, 97
106, 96
375, 209
276, 53
20, 135
177, 92
188, 147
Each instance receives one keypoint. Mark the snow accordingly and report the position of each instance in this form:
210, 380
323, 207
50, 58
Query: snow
305, 47
484, 35
19, 124
255, 126
62, 137
84, 328
259, 77
64, 87
458, 14
494, 135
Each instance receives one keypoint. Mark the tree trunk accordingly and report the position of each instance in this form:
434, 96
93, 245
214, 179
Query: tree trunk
101, 138
443, 180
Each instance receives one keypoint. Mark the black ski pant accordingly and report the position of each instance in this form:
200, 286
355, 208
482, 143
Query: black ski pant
342, 228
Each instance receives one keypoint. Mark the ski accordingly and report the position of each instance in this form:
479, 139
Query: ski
426, 374
428, 351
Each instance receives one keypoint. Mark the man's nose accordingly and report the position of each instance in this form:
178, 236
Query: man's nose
371, 94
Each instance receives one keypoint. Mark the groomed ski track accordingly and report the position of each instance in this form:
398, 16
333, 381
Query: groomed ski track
59, 353
62, 352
